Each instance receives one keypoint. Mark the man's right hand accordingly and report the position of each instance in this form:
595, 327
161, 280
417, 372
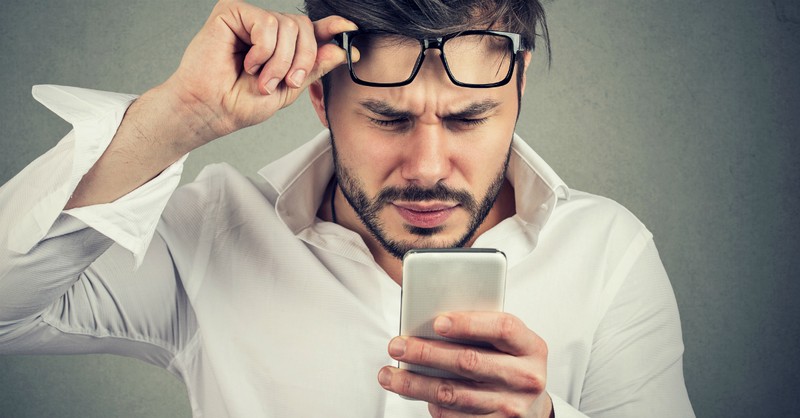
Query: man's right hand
244, 65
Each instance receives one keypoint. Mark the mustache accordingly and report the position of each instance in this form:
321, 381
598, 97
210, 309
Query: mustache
414, 193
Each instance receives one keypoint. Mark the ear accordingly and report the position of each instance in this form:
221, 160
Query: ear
526, 58
315, 91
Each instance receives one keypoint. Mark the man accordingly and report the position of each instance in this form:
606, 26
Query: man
278, 297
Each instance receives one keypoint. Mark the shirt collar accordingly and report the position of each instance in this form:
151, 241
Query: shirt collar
297, 183
535, 182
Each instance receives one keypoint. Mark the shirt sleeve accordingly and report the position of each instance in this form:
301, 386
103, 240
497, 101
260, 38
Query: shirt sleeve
37, 196
636, 366
562, 409
67, 281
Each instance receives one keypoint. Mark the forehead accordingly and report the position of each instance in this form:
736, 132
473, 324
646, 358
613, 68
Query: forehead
430, 90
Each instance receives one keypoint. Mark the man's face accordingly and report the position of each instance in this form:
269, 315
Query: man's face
421, 165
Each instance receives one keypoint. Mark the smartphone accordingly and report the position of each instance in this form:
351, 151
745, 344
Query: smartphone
445, 280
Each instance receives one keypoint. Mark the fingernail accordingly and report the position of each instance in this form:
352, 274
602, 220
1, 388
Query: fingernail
298, 77
397, 347
271, 85
385, 377
353, 26
442, 324
254, 69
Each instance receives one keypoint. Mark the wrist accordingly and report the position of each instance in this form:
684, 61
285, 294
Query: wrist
184, 121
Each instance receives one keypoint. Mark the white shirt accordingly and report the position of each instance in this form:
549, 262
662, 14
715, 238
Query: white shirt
264, 310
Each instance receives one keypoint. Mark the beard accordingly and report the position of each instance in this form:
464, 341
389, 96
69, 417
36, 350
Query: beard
368, 209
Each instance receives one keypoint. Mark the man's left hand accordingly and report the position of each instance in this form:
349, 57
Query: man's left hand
505, 380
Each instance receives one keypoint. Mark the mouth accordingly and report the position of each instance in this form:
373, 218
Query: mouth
425, 214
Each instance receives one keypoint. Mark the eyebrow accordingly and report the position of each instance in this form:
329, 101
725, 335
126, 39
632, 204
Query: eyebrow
380, 107
474, 109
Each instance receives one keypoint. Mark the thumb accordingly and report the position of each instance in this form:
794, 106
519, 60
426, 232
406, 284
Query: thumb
330, 55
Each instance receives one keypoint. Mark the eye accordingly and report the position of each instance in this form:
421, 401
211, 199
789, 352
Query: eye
390, 123
466, 123
472, 122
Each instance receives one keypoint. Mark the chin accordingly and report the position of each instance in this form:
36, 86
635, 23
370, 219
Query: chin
399, 245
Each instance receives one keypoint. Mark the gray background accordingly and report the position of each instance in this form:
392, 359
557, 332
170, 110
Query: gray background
683, 111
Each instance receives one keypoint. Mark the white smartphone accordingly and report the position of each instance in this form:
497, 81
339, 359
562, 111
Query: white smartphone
445, 280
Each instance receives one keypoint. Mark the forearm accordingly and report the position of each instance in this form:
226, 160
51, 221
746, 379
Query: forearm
156, 131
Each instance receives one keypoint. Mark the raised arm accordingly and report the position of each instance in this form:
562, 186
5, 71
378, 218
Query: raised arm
244, 65
66, 277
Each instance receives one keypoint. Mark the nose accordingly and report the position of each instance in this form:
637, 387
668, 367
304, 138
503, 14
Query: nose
427, 157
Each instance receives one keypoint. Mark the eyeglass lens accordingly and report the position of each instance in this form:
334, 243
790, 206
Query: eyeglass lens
472, 59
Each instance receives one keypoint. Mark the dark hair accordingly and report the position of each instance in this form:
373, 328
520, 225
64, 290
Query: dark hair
434, 18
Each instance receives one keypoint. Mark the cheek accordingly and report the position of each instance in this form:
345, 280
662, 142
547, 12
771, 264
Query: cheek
371, 161
364, 156
484, 157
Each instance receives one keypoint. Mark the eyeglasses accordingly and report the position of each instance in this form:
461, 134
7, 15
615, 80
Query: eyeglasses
474, 58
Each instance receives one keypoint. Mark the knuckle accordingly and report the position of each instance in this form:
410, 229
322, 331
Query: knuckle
291, 24
278, 66
270, 20
468, 360
260, 51
531, 382
424, 352
406, 384
512, 410
541, 347
445, 394
507, 326
304, 20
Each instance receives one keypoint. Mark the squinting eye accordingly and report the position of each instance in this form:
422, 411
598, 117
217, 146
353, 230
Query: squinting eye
389, 123
472, 122
467, 123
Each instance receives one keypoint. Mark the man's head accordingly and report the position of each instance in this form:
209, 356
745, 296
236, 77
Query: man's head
422, 164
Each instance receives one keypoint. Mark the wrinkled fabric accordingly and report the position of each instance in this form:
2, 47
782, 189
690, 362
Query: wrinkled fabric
263, 310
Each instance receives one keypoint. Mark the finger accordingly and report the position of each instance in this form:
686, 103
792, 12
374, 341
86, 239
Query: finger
504, 331
240, 19
277, 66
255, 28
263, 34
305, 53
326, 28
454, 395
475, 363
329, 56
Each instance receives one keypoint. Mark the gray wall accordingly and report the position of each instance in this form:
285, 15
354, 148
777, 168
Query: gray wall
684, 111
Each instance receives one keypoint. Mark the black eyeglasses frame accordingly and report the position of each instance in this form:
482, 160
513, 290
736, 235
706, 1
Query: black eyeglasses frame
344, 40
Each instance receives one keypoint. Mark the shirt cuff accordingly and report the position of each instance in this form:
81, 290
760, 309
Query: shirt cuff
562, 409
51, 179
131, 220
